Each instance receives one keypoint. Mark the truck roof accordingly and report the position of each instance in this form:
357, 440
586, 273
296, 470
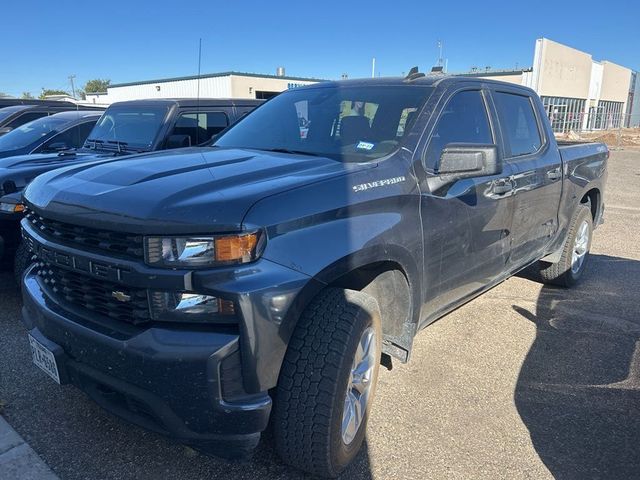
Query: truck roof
194, 102
428, 80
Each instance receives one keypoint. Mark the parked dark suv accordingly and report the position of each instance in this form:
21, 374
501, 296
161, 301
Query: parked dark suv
17, 115
51, 134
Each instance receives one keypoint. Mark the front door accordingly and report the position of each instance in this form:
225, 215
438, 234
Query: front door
466, 224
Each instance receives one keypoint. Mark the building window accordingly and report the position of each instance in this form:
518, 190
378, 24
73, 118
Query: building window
264, 95
607, 115
565, 114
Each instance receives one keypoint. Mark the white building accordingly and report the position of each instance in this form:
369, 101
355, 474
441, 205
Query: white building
215, 85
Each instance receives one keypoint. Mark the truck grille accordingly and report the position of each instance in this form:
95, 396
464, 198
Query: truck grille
95, 296
105, 241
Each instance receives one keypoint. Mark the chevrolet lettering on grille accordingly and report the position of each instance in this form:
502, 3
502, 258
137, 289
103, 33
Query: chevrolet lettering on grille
80, 264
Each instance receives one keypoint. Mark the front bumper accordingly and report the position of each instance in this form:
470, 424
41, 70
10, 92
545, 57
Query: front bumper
167, 380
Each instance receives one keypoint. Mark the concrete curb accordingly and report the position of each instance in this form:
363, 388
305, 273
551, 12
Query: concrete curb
18, 461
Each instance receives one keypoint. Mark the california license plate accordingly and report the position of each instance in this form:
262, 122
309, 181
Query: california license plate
44, 358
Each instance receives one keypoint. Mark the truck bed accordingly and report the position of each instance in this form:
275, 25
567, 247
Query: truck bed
572, 151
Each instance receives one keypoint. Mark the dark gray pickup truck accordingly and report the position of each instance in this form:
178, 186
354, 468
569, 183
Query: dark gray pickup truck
202, 293
125, 128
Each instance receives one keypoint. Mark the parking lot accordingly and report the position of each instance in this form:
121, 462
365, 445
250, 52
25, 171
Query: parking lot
524, 382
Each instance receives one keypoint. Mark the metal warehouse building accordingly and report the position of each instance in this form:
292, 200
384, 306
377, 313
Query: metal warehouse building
214, 85
578, 92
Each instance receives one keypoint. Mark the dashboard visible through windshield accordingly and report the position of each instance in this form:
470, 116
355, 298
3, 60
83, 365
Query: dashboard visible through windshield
346, 123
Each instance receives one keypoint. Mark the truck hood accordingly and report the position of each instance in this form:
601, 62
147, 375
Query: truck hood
194, 190
22, 169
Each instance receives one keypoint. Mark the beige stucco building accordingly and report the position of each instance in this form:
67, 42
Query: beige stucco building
578, 92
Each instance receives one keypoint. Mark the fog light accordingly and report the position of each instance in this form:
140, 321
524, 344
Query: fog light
190, 307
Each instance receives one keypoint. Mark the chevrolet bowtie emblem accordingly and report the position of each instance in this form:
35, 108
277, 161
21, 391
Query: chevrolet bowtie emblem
121, 296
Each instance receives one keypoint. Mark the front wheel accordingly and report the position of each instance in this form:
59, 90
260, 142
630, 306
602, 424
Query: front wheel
327, 382
569, 269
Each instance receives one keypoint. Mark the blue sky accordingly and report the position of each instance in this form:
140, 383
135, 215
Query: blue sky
138, 40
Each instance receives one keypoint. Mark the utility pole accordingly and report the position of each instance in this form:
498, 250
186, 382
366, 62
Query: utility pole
73, 88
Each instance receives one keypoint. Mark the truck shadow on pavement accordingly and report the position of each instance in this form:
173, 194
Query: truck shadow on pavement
578, 390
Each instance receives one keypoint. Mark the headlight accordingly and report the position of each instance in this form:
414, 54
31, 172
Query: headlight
202, 252
191, 307
11, 207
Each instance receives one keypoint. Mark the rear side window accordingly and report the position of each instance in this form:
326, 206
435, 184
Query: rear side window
201, 126
518, 124
463, 120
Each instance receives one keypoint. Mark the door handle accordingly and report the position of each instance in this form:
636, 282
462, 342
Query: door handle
554, 174
502, 186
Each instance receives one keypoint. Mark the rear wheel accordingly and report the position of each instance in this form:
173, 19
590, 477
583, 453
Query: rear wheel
569, 269
327, 382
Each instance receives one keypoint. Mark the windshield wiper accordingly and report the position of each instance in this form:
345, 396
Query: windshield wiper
289, 150
95, 143
123, 146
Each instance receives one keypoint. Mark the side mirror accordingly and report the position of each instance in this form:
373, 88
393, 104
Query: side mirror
56, 147
4, 130
466, 160
178, 141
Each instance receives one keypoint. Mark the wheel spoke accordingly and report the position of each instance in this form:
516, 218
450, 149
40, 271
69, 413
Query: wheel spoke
359, 386
580, 247
349, 423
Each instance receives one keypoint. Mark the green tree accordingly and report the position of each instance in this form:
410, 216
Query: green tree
27, 96
46, 92
97, 85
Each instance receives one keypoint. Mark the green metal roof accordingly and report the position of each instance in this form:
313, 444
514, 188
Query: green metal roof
213, 75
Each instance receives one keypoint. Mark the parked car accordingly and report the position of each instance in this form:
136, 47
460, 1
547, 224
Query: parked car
124, 128
52, 134
199, 293
17, 115
10, 102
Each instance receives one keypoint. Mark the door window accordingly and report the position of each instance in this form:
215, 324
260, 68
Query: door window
200, 126
73, 137
518, 124
25, 118
463, 120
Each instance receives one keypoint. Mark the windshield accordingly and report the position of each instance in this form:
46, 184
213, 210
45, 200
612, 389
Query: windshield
346, 123
31, 132
6, 112
128, 127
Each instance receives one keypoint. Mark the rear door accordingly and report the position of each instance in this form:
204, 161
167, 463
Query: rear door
466, 224
536, 174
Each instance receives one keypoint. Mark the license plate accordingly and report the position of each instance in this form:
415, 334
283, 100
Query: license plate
44, 358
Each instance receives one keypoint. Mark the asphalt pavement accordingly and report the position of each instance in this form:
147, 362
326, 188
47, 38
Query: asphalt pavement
526, 381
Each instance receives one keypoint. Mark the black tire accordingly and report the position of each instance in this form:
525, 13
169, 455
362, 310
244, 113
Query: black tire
561, 273
310, 396
21, 261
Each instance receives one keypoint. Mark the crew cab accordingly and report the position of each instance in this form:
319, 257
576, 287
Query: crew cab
202, 293
124, 128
